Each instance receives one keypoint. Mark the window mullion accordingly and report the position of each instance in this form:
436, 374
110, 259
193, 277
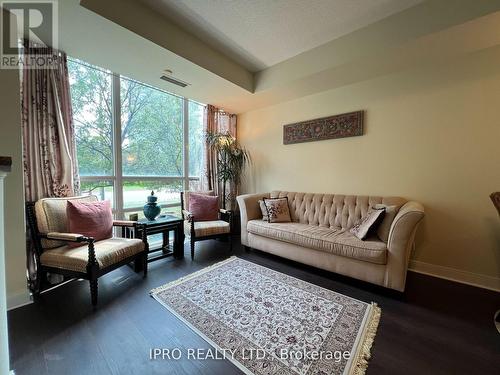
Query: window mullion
117, 176
185, 116
117, 149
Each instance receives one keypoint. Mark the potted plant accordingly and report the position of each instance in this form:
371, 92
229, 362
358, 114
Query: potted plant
231, 160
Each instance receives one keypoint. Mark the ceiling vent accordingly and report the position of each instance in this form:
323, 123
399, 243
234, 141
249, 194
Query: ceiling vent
173, 80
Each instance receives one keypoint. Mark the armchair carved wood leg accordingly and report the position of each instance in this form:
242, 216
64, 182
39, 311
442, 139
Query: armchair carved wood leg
93, 292
35, 289
138, 265
146, 251
35, 285
41, 279
145, 263
230, 231
92, 268
191, 237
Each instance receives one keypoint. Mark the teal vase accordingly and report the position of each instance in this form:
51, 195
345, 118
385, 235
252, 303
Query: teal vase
151, 209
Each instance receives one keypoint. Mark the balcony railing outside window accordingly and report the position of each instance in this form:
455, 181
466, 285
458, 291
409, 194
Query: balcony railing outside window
132, 138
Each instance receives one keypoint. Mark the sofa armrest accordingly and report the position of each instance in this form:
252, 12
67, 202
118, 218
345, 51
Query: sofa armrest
401, 237
249, 210
409, 215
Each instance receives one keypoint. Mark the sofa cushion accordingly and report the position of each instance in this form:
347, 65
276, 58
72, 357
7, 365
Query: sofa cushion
263, 209
277, 210
335, 241
332, 210
385, 226
368, 224
107, 252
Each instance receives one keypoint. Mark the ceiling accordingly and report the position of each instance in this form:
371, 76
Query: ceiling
130, 38
260, 33
90, 37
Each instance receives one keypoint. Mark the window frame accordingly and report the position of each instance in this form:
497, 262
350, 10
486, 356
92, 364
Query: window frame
118, 178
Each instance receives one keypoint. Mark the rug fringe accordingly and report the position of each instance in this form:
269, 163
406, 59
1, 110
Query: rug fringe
366, 346
191, 275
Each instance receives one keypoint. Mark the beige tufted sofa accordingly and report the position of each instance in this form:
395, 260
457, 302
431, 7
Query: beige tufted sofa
319, 234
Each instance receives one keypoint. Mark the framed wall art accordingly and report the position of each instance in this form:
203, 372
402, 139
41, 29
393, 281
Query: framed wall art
332, 127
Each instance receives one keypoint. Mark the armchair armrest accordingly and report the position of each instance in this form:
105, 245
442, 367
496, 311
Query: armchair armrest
187, 215
76, 237
124, 223
226, 215
249, 210
71, 237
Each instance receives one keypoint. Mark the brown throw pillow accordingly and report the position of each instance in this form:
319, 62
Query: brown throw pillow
277, 210
385, 225
368, 223
263, 209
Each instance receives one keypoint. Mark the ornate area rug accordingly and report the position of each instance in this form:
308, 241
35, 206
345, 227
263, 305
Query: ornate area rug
269, 323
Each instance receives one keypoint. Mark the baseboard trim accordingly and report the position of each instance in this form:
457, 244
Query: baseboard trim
453, 274
18, 300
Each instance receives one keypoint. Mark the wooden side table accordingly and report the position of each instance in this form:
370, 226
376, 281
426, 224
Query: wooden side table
164, 225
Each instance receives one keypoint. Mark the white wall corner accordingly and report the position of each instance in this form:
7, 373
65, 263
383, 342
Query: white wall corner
18, 299
453, 274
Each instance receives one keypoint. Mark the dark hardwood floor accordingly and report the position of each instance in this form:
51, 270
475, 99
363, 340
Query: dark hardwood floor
435, 327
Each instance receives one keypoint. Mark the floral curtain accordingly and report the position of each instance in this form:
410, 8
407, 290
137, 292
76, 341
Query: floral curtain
217, 121
50, 165
49, 151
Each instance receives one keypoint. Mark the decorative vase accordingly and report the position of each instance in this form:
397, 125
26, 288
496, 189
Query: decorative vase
151, 209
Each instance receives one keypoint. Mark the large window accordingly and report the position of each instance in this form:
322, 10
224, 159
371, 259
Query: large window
132, 138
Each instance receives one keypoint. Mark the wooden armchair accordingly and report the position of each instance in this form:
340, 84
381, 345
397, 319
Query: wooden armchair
205, 230
48, 222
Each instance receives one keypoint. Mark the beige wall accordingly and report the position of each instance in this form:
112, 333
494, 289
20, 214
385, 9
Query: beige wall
10, 145
431, 134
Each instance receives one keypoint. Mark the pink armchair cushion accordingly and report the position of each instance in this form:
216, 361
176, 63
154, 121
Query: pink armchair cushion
91, 219
204, 207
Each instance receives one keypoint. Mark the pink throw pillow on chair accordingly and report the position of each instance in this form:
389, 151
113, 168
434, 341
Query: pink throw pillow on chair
204, 207
91, 219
